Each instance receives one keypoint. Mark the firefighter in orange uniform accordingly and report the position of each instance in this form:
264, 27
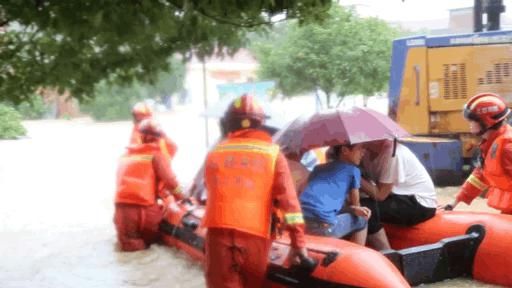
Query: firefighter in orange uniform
245, 175
487, 114
140, 112
141, 169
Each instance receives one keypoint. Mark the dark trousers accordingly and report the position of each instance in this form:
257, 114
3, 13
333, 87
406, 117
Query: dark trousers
396, 209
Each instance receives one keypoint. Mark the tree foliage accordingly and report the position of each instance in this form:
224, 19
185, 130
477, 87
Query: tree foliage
34, 108
342, 55
73, 45
167, 82
114, 102
10, 123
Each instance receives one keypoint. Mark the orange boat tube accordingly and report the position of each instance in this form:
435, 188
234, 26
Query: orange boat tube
493, 260
341, 263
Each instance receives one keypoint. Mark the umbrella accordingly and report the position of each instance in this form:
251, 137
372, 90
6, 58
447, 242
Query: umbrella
356, 125
286, 136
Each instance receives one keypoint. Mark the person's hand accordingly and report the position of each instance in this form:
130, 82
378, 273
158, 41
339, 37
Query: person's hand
178, 193
167, 202
362, 211
448, 207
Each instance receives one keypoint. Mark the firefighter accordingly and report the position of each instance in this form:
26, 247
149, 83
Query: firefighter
245, 175
142, 111
141, 170
487, 114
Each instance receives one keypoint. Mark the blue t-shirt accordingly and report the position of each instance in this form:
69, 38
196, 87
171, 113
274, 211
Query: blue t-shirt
327, 188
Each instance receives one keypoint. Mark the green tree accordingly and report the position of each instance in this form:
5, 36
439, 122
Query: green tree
342, 55
10, 123
114, 102
168, 82
35, 108
73, 45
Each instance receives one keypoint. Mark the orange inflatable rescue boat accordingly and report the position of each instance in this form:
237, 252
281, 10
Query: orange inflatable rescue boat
452, 244
340, 263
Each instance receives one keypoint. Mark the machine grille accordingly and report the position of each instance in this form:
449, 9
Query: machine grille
499, 74
454, 81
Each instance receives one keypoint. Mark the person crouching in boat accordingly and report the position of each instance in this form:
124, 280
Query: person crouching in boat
487, 114
245, 175
140, 171
328, 188
399, 187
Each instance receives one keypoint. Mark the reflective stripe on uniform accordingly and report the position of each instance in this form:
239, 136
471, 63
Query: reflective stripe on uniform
138, 157
247, 148
476, 182
293, 218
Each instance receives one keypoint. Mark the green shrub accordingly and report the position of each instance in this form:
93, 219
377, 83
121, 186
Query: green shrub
113, 102
10, 123
33, 109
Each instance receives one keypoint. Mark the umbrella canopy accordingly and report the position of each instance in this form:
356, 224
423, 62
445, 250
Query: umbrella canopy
356, 125
286, 137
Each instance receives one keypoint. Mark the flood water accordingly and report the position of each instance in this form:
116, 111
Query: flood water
56, 190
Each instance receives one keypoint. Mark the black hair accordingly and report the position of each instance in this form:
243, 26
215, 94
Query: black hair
336, 151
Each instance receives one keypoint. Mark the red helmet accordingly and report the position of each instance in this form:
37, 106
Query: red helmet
141, 111
150, 127
245, 107
487, 109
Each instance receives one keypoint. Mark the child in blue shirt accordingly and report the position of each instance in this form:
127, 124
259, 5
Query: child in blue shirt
329, 186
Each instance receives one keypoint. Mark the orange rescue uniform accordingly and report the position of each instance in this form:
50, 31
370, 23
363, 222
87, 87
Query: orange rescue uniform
137, 214
167, 146
246, 175
496, 173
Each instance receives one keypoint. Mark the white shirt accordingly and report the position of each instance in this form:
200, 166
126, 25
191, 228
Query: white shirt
405, 172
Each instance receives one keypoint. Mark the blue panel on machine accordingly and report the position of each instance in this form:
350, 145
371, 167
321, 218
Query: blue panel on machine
441, 157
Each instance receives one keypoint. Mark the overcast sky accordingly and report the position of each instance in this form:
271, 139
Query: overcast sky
413, 10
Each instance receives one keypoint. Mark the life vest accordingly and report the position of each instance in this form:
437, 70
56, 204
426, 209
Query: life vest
499, 195
166, 148
239, 175
136, 181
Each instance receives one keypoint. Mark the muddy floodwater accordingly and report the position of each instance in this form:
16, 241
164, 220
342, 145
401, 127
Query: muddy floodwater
56, 192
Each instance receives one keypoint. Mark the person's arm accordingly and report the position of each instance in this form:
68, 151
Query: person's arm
299, 175
378, 192
507, 159
171, 146
472, 188
354, 205
353, 198
165, 175
285, 198
368, 188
